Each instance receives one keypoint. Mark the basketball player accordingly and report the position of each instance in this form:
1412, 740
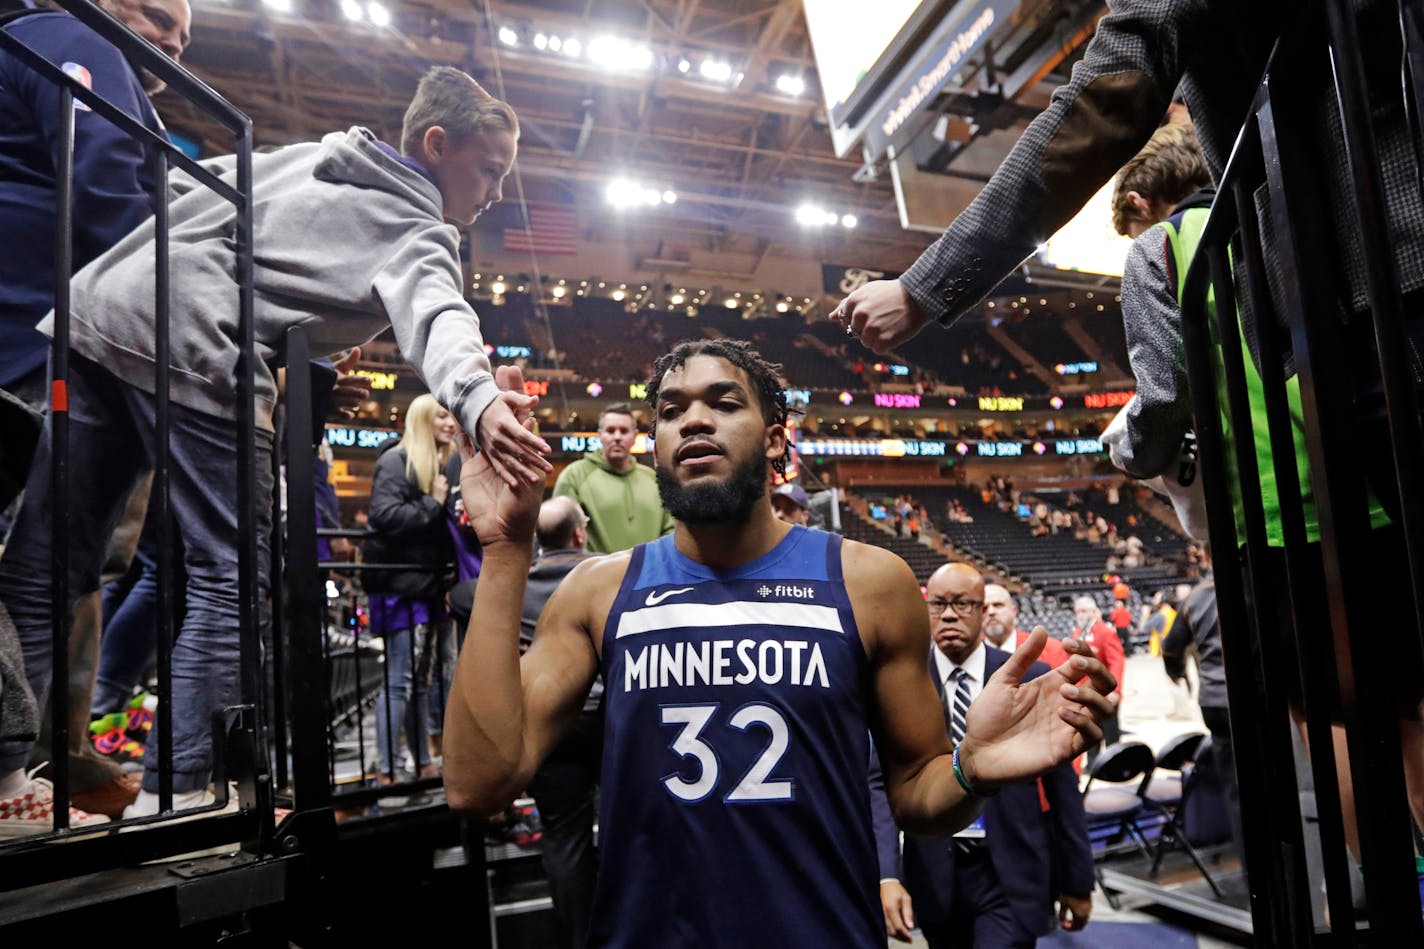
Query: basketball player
746, 662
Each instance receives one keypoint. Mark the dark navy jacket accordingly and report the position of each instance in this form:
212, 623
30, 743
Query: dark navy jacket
1037, 854
112, 180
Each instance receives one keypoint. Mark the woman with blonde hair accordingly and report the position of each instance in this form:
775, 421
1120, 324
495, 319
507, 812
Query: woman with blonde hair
407, 606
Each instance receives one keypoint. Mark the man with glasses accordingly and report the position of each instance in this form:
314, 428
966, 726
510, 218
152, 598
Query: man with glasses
995, 882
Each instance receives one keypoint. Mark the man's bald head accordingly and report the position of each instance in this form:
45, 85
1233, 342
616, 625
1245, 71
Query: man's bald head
1001, 617
956, 602
561, 525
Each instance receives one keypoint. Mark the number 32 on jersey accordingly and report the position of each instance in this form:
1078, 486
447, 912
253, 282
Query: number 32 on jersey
694, 741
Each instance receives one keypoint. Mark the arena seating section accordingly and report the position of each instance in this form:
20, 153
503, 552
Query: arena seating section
1054, 568
599, 339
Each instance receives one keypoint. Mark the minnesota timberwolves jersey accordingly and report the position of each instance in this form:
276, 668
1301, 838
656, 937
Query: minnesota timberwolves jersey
735, 811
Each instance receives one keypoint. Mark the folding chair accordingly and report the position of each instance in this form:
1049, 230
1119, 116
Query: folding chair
1168, 795
1121, 763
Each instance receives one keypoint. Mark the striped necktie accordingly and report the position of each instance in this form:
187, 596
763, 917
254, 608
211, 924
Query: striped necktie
958, 705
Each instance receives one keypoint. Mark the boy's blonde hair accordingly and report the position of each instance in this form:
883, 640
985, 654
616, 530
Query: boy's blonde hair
452, 100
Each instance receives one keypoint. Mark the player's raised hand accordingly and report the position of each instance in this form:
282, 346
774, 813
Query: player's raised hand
1018, 730
499, 511
507, 435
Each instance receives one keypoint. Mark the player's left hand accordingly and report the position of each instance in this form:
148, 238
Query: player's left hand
1018, 730
1073, 911
882, 314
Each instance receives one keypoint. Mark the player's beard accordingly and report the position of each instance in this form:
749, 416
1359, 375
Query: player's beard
711, 502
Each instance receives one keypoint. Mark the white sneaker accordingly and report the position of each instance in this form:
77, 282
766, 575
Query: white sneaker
31, 811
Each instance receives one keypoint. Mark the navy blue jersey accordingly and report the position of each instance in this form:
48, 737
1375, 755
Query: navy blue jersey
735, 811
112, 179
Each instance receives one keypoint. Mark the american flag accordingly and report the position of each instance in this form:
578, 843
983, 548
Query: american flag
552, 230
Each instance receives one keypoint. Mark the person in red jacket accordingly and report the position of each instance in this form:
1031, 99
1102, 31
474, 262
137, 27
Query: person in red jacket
1107, 647
1001, 626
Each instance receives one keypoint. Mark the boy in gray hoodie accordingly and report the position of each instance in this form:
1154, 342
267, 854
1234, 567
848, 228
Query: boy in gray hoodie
350, 236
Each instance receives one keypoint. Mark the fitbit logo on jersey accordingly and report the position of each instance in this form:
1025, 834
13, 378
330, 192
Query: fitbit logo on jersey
781, 589
725, 662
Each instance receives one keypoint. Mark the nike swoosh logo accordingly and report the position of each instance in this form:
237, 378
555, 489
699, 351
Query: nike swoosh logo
655, 598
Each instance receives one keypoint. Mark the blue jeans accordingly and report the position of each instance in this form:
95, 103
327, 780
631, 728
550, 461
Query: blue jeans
130, 628
111, 439
411, 655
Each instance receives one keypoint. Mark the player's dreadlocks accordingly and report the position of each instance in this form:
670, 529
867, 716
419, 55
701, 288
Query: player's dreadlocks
765, 378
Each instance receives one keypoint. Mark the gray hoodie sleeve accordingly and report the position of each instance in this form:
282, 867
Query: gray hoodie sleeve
1160, 415
421, 289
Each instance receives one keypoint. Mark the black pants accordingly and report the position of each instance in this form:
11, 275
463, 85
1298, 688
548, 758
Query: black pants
564, 788
982, 916
1218, 722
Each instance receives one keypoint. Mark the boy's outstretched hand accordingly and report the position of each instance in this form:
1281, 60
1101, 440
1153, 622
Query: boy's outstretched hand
506, 433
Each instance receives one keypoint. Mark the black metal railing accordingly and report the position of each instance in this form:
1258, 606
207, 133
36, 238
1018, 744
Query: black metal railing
241, 755
1313, 655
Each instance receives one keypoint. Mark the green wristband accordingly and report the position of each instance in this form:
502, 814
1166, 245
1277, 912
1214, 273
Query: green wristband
959, 776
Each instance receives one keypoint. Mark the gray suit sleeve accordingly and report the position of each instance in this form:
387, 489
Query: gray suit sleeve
1160, 415
1095, 122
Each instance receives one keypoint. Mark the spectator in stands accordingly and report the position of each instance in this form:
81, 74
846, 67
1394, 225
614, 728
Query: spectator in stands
1121, 618
1159, 623
619, 495
1001, 626
1108, 649
790, 503
407, 607
996, 883
459, 143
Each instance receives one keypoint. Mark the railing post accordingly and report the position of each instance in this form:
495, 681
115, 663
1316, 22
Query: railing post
305, 668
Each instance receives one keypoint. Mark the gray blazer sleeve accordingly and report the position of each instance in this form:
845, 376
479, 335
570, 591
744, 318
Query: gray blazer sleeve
1158, 418
1095, 122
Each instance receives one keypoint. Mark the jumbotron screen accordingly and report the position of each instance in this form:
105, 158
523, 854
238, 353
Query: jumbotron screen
847, 43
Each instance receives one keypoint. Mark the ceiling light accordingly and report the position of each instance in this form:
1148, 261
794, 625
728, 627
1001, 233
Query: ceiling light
559, 293
508, 37
614, 53
541, 41
791, 85
683, 65
670, 197
352, 11
572, 47
810, 215
849, 220
379, 15
730, 303
782, 306
619, 294
497, 288
715, 70
652, 196
676, 299
281, 6
555, 44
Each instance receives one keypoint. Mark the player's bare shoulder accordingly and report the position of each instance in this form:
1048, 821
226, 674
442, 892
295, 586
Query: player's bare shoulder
881, 587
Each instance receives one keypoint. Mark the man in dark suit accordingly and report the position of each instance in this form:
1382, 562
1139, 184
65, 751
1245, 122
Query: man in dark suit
993, 885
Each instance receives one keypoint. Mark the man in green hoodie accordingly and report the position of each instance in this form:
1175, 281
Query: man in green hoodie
619, 495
